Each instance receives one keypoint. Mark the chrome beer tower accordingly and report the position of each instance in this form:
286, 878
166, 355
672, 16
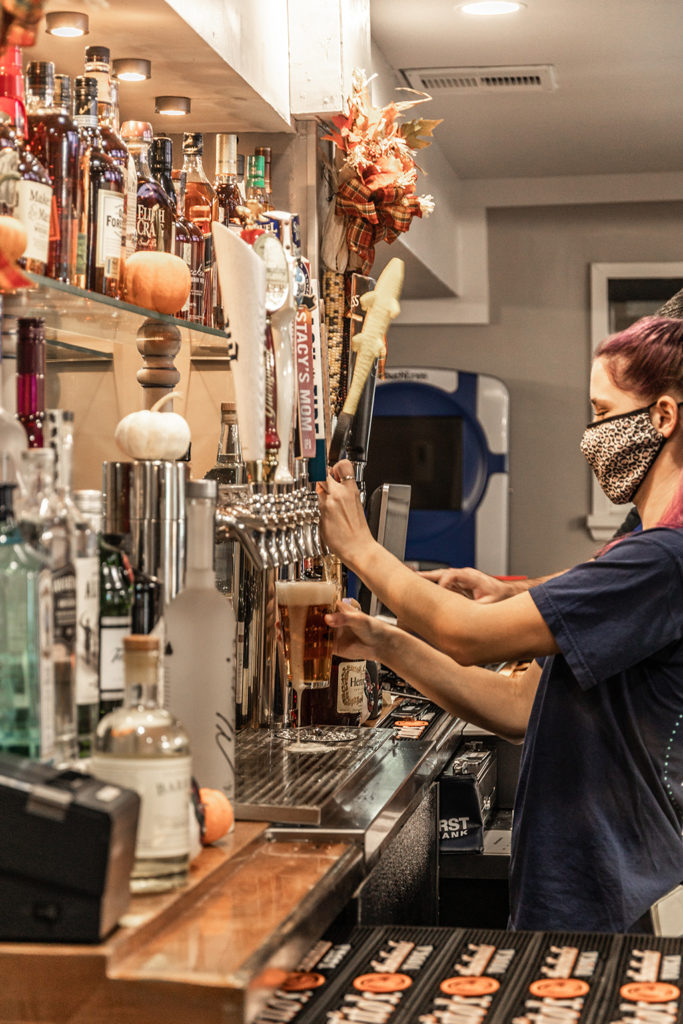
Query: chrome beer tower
273, 527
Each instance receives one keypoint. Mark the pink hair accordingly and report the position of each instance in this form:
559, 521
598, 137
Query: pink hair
647, 359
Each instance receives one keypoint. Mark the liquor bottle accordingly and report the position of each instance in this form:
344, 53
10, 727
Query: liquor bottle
13, 439
53, 140
241, 178
200, 205
228, 193
98, 66
25, 189
26, 670
345, 694
116, 597
64, 96
31, 378
101, 200
12, 97
266, 153
143, 747
85, 556
189, 240
154, 218
256, 197
200, 618
43, 520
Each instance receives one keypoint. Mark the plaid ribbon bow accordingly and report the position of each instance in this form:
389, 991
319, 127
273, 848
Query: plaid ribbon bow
374, 216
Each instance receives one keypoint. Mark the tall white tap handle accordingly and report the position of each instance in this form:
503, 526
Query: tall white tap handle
242, 277
282, 323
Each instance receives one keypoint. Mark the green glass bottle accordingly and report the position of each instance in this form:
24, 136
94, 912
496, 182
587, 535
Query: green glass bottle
27, 704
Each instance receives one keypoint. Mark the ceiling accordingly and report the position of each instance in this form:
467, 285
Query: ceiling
618, 105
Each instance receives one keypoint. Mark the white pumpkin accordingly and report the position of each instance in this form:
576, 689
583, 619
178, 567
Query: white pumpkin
151, 434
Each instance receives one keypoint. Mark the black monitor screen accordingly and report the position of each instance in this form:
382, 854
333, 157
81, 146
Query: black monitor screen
423, 451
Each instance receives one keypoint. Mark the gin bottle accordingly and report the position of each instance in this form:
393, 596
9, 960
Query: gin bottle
143, 747
44, 522
199, 618
26, 671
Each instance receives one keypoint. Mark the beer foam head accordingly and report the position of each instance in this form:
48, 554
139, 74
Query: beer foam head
298, 593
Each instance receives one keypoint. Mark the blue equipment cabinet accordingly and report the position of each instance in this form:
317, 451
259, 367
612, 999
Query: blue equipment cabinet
445, 432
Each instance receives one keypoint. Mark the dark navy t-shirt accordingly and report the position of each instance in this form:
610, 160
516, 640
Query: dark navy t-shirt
599, 808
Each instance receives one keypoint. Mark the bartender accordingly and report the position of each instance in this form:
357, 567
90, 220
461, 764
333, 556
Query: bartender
599, 808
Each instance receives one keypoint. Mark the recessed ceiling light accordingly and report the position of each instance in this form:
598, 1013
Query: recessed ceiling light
68, 24
132, 69
172, 106
491, 7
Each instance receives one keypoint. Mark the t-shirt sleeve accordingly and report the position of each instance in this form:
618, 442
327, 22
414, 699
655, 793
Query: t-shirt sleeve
612, 613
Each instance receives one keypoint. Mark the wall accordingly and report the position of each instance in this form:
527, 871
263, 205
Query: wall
537, 342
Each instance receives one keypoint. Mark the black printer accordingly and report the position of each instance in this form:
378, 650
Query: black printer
67, 846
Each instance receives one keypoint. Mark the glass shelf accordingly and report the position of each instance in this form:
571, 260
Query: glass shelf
84, 326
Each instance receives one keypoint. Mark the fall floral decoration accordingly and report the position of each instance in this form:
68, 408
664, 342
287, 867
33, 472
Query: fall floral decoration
375, 185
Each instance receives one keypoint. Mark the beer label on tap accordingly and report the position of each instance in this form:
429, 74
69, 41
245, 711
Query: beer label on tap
303, 351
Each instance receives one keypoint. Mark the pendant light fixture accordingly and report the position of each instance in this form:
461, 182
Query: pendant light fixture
68, 24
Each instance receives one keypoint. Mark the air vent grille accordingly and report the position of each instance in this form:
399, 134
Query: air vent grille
531, 78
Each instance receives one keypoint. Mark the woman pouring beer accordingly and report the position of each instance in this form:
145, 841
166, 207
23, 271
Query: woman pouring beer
599, 807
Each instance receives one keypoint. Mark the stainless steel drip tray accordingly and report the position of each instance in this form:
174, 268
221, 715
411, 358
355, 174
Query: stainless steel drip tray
292, 775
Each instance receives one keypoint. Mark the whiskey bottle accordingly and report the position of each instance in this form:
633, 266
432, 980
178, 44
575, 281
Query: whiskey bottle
98, 66
154, 218
189, 240
25, 192
143, 747
26, 671
200, 618
101, 200
31, 378
53, 140
266, 153
230, 199
44, 522
200, 205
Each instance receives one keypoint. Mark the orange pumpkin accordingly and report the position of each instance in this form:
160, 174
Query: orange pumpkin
158, 281
13, 238
218, 812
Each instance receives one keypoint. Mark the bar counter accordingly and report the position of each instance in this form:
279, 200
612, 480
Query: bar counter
256, 901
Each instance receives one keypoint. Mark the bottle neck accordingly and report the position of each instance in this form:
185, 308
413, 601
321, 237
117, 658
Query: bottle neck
37, 481
229, 447
193, 167
141, 669
162, 176
39, 97
85, 117
12, 101
140, 153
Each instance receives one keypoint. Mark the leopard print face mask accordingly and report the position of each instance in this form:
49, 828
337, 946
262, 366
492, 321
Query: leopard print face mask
620, 450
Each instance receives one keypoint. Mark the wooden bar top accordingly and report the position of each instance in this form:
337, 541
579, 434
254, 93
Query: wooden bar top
211, 952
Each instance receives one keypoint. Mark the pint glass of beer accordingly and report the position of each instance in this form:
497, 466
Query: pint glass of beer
307, 640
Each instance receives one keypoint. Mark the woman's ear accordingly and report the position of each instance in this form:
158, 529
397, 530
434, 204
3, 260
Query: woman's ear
665, 415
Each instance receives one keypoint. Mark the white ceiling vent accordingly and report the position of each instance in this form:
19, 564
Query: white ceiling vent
529, 78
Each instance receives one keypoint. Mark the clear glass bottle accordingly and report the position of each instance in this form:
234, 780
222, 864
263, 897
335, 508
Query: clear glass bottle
155, 214
230, 199
26, 670
199, 618
31, 378
53, 140
200, 205
143, 747
228, 470
85, 556
98, 66
101, 200
13, 439
44, 522
189, 240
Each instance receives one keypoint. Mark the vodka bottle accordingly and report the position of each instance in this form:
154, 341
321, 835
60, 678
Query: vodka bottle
143, 747
44, 521
26, 670
199, 618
